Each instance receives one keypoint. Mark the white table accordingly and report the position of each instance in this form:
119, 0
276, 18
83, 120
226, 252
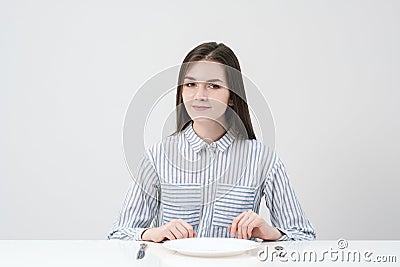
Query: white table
123, 253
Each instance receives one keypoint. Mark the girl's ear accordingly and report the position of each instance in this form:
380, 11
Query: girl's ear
230, 103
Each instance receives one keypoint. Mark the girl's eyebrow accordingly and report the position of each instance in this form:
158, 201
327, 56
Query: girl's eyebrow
212, 80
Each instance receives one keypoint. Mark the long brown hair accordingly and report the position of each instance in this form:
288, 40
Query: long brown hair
239, 111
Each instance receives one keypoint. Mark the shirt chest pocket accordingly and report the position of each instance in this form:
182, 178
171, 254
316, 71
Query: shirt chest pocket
231, 201
181, 201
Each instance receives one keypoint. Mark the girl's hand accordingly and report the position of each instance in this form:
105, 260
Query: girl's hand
250, 224
175, 229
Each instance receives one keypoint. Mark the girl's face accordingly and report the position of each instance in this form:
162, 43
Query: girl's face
204, 91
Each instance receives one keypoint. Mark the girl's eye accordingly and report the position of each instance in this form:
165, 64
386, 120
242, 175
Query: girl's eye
190, 84
214, 86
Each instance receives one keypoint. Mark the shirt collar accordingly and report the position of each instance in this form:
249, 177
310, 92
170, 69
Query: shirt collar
197, 143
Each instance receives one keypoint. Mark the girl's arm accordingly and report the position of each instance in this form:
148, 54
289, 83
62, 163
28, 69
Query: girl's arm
286, 213
140, 204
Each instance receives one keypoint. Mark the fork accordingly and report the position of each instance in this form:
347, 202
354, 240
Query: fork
141, 252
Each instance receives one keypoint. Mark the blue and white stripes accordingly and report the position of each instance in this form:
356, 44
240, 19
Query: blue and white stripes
208, 185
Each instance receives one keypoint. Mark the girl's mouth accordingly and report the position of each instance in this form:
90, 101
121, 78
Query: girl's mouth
200, 108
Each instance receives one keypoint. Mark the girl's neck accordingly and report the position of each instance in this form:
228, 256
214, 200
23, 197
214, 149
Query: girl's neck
209, 130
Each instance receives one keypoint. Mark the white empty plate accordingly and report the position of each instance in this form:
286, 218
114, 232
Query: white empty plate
210, 246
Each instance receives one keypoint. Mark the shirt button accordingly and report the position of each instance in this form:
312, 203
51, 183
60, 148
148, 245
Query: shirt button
213, 146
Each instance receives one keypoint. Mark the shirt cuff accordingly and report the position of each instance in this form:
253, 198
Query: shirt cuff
127, 234
141, 231
286, 235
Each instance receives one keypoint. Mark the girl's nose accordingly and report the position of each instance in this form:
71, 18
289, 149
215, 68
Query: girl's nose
201, 91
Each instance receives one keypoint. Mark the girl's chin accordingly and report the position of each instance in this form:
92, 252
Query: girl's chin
202, 119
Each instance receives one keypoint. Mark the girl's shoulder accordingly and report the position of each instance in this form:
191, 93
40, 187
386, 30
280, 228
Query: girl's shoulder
170, 142
255, 145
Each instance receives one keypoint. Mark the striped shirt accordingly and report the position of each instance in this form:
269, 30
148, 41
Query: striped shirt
208, 185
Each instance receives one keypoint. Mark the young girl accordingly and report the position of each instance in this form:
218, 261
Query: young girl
208, 178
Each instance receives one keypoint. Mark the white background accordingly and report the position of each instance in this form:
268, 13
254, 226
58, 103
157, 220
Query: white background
68, 70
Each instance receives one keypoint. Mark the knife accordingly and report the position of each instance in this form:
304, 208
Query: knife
141, 252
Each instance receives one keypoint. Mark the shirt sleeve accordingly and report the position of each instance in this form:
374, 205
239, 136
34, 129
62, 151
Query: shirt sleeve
286, 212
140, 204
